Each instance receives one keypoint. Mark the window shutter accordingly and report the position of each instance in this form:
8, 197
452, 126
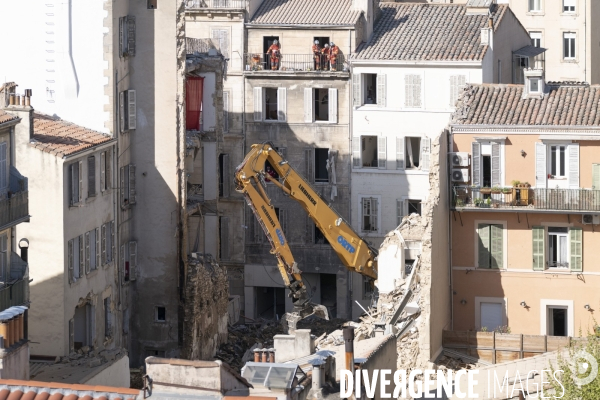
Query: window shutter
112, 239
133, 260
381, 152
87, 253
574, 166
309, 167
108, 176
381, 90
131, 110
81, 265
226, 176
70, 259
225, 111
91, 176
283, 221
131, 36
224, 238
399, 211
356, 152
333, 105
122, 185
408, 92
425, 153
121, 35
484, 246
281, 104
103, 171
497, 248
3, 165
538, 248
80, 183
453, 90
476, 164
71, 335
374, 211
596, 176
308, 104
98, 248
103, 239
399, 153
258, 105
495, 164
417, 91
540, 165
122, 260
356, 81
131, 184
93, 325
576, 236
122, 111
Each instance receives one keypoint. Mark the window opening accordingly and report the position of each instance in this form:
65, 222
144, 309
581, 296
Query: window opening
557, 161
557, 321
161, 314
370, 92
558, 239
321, 104
569, 6
319, 237
267, 42
535, 5
413, 152
569, 45
321, 173
369, 214
270, 105
414, 207
369, 151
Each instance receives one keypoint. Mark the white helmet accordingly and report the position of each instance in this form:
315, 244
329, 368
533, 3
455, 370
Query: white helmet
332, 44
326, 45
316, 42
275, 41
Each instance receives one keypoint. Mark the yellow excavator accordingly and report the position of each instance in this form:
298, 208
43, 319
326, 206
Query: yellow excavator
356, 254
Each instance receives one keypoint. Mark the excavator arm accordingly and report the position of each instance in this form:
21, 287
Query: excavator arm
354, 252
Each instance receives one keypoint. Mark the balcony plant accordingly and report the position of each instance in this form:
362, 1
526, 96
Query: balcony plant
496, 190
507, 190
477, 201
485, 190
515, 183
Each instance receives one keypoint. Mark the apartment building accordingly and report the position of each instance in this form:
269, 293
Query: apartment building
403, 93
567, 29
525, 207
300, 103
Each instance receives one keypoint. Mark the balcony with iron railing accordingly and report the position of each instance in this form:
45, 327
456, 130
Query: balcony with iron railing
215, 4
469, 198
14, 286
294, 63
14, 201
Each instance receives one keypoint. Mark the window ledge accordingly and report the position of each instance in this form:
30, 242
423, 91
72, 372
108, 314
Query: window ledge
536, 13
561, 271
569, 60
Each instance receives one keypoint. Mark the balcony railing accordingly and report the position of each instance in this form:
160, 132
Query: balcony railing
232, 4
294, 62
15, 288
14, 208
526, 198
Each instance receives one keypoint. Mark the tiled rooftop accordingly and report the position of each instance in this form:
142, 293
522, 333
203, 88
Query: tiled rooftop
5, 117
31, 390
305, 12
562, 105
428, 32
63, 138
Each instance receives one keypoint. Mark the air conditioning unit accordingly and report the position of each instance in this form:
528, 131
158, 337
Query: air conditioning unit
460, 175
588, 219
459, 159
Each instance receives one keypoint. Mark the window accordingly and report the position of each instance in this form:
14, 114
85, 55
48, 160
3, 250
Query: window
412, 91
457, 83
534, 85
83, 326
3, 166
4, 258
369, 152
486, 165
92, 250
557, 321
536, 39
224, 240
413, 152
127, 36
558, 247
535, 5
152, 4
127, 110
320, 105
75, 255
225, 112
321, 158
370, 92
270, 104
104, 171
221, 38
160, 314
107, 318
557, 165
557, 161
224, 175
319, 237
107, 241
564, 248
127, 186
520, 63
75, 182
569, 45
490, 246
91, 176
369, 89
414, 206
491, 315
370, 220
194, 89
367, 288
569, 6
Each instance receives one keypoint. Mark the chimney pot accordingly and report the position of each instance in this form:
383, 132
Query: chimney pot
256, 355
264, 355
12, 99
271, 355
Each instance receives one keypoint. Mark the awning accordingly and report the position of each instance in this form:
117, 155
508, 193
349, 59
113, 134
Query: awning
529, 51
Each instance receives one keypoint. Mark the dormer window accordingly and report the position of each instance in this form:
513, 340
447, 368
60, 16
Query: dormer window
534, 85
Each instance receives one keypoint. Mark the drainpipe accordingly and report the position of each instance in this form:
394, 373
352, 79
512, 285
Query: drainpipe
449, 143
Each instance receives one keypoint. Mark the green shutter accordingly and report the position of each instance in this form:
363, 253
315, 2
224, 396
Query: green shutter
576, 237
538, 248
497, 260
596, 176
484, 245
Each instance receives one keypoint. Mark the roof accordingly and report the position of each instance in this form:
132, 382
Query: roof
62, 138
8, 85
6, 117
428, 32
529, 51
562, 105
305, 12
31, 390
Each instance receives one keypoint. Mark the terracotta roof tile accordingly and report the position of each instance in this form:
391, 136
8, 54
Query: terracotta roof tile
562, 105
62, 138
428, 32
305, 12
5, 117
15, 389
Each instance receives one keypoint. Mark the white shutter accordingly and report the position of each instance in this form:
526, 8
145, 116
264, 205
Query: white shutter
81, 256
112, 239
102, 171
381, 152
122, 186
309, 160
308, 104
87, 253
476, 164
258, 105
356, 90
131, 110
381, 90
131, 36
226, 177
540, 165
98, 248
133, 260
399, 153
495, 164
80, 174
103, 239
121, 36
281, 104
453, 90
225, 111
408, 92
574, 166
425, 153
399, 211
122, 112
333, 105
70, 259
131, 184
417, 91
356, 152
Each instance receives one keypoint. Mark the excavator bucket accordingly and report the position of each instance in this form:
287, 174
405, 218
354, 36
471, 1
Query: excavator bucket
290, 320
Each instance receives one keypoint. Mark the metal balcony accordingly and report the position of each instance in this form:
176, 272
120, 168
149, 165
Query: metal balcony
226, 4
467, 198
14, 208
261, 62
14, 290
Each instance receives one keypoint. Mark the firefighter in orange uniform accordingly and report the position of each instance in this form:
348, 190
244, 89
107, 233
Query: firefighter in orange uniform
275, 55
316, 49
325, 57
333, 53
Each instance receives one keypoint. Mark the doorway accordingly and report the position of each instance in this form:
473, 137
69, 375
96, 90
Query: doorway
557, 321
491, 316
328, 283
267, 42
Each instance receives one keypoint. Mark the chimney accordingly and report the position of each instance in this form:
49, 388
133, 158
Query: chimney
366, 6
348, 334
317, 376
24, 247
